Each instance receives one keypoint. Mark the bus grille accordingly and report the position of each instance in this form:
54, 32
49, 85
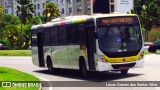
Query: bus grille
117, 66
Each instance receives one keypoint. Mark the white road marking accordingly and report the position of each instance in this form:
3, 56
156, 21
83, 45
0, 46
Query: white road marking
50, 88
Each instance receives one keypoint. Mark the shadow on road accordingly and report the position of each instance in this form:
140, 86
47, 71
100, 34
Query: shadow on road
93, 76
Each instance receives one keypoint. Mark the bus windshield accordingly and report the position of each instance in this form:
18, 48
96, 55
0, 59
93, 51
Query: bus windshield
119, 37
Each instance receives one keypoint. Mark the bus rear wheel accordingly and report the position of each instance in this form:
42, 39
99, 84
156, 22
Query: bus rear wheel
124, 72
83, 69
50, 66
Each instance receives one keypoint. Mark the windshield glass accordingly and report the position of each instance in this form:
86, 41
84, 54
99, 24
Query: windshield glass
119, 38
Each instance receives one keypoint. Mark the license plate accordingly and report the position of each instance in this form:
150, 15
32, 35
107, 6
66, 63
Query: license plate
124, 68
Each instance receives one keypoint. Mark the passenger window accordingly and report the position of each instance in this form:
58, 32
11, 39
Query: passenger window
54, 36
82, 37
72, 34
63, 35
47, 37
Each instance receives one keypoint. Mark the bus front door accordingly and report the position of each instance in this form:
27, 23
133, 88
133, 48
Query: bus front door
40, 49
90, 47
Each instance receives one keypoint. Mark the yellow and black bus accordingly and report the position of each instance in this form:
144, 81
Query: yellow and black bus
101, 42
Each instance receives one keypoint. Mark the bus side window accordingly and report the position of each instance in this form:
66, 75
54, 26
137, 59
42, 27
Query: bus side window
69, 34
63, 35
72, 34
47, 37
82, 37
54, 36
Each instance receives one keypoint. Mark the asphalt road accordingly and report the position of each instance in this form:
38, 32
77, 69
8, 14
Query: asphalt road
149, 73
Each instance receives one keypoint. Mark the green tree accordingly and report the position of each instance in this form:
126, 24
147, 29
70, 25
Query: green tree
35, 20
27, 35
51, 11
149, 15
1, 14
10, 19
25, 8
11, 34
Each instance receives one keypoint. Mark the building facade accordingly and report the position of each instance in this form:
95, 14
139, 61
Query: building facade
39, 6
74, 7
85, 7
8, 6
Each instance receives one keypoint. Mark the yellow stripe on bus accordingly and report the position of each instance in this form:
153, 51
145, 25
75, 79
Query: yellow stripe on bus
123, 59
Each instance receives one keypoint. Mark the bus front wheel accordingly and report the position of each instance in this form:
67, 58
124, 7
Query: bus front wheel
83, 69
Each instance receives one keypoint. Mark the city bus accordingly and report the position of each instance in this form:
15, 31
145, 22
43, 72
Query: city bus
100, 42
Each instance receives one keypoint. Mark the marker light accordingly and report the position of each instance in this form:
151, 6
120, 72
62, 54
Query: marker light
103, 59
141, 56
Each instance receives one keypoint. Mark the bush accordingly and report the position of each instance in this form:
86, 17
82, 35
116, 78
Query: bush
154, 35
5, 42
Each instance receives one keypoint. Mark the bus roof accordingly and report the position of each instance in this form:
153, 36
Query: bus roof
78, 19
90, 16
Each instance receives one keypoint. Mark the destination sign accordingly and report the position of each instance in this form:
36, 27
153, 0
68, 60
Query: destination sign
117, 20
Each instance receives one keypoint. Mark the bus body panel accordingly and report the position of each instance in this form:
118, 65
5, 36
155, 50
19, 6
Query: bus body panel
64, 56
74, 52
35, 58
59, 56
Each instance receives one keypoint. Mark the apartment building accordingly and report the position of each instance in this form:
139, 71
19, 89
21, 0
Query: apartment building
39, 6
73, 7
8, 6
85, 7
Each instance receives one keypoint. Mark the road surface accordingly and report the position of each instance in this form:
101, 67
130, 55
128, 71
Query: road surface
151, 72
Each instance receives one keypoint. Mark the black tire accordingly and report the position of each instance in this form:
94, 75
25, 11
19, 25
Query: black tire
83, 69
124, 72
50, 66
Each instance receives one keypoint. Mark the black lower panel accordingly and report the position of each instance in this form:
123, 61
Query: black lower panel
117, 66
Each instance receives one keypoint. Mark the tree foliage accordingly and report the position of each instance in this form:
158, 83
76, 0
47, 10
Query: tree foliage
25, 8
1, 14
149, 13
35, 20
10, 19
11, 34
51, 10
9, 31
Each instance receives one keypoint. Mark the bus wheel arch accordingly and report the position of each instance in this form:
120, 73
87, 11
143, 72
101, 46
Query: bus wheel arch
49, 64
82, 67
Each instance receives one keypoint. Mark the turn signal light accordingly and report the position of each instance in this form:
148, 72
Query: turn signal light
103, 59
141, 56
